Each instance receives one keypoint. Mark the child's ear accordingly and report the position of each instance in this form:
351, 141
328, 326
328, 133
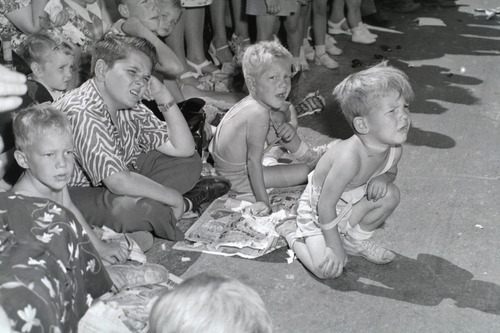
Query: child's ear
123, 10
100, 69
360, 125
21, 159
36, 68
250, 82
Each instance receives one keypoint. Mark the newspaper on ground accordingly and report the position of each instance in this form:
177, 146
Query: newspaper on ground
126, 311
227, 228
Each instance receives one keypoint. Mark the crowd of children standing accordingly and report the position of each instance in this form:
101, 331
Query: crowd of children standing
96, 155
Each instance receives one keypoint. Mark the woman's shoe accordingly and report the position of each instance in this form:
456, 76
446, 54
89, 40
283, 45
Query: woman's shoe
212, 51
338, 28
308, 51
190, 78
359, 36
325, 60
330, 47
366, 31
238, 44
199, 67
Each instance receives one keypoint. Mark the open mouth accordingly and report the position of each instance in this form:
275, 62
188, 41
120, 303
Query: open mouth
135, 93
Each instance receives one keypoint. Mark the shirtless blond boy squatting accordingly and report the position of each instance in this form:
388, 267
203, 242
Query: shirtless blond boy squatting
351, 191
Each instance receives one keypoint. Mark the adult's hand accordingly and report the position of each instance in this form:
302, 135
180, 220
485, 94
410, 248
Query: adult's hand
12, 86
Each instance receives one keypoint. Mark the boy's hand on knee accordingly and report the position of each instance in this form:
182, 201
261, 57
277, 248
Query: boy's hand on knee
332, 264
113, 253
377, 189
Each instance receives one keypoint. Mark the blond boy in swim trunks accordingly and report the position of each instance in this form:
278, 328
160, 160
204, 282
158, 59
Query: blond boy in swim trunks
351, 191
240, 138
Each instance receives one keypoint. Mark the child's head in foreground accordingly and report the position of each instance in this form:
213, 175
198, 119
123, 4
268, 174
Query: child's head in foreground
380, 89
44, 145
51, 60
170, 14
267, 67
208, 303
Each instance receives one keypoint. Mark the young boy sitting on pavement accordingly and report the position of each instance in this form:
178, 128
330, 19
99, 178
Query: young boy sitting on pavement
351, 192
240, 139
48, 253
210, 303
135, 172
45, 150
52, 65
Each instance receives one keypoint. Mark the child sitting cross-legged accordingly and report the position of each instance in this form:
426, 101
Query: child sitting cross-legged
210, 303
240, 139
351, 191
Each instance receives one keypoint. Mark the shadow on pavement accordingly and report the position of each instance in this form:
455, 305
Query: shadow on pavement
432, 84
427, 280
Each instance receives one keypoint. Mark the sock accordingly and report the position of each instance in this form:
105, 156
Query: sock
320, 49
188, 205
359, 234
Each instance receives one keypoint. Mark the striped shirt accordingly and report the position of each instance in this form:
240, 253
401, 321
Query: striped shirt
101, 147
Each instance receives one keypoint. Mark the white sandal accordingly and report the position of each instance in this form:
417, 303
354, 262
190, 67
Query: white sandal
199, 67
212, 51
338, 28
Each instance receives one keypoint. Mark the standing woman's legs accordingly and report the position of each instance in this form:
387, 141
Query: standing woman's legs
176, 42
266, 25
195, 53
319, 29
219, 48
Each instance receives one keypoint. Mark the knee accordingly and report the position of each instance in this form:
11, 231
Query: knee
392, 196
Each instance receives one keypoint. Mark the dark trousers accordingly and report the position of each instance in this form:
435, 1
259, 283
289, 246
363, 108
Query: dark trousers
125, 213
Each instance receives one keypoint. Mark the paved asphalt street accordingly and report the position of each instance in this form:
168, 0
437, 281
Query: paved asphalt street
446, 231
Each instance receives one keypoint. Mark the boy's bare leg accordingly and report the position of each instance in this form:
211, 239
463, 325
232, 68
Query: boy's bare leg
285, 175
366, 217
371, 214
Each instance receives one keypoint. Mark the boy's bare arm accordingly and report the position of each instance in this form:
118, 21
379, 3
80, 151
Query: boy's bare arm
180, 140
168, 63
344, 167
257, 129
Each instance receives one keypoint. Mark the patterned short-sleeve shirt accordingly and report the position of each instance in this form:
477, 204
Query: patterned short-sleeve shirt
103, 148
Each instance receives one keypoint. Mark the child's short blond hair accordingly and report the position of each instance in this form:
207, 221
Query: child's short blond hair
208, 303
263, 53
35, 120
357, 92
39, 47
